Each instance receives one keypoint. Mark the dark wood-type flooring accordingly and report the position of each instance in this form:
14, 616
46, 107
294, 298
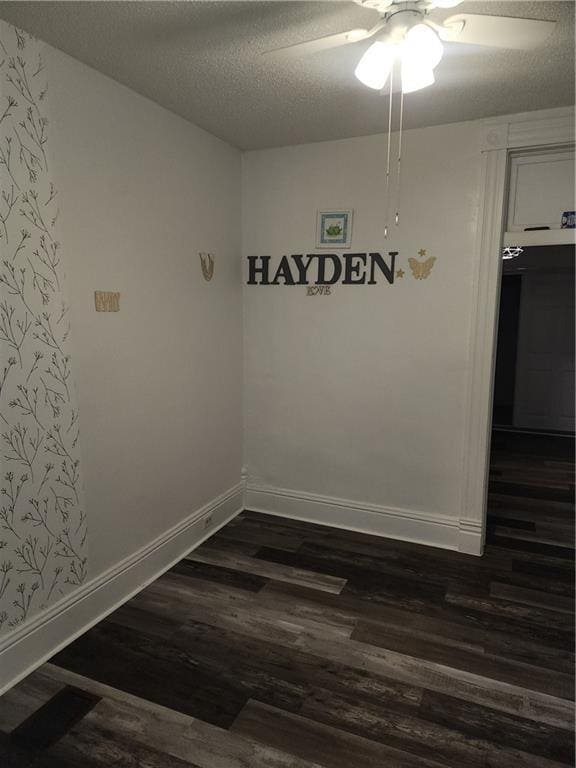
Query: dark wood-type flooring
281, 644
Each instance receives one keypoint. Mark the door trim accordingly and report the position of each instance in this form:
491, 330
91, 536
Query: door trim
530, 130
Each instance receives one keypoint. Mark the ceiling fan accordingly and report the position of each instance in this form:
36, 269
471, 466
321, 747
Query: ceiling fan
407, 33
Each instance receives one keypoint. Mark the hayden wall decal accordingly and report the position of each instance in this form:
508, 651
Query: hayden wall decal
42, 518
323, 269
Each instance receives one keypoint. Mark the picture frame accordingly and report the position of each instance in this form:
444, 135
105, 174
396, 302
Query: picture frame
334, 228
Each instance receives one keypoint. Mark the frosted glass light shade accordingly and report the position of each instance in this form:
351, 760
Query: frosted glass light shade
422, 46
374, 67
416, 77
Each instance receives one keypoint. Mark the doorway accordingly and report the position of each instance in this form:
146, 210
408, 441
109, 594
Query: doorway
531, 482
534, 375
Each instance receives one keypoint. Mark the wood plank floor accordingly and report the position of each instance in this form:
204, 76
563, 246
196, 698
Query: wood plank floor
281, 644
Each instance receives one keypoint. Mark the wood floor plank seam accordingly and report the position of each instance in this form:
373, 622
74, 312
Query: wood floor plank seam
272, 571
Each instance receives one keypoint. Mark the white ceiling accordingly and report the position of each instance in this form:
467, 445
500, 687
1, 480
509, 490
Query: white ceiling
203, 61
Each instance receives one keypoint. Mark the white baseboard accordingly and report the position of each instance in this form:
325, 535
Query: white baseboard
33, 643
405, 524
471, 537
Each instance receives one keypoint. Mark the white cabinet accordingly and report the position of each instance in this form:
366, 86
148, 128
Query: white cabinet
541, 189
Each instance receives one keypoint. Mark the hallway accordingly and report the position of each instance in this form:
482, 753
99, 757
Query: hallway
531, 492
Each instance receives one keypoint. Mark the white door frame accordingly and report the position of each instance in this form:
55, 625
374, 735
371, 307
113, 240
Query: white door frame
500, 136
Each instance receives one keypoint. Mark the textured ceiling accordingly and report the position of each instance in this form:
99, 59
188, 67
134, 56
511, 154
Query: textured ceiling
203, 61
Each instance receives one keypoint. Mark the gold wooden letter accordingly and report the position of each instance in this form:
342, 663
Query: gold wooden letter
107, 301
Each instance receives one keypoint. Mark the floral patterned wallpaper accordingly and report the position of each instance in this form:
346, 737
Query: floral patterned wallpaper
42, 517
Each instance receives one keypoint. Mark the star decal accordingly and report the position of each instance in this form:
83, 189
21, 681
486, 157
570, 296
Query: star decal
399, 273
422, 252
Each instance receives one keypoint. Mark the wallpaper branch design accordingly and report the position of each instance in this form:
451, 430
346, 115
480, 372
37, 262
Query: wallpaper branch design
42, 518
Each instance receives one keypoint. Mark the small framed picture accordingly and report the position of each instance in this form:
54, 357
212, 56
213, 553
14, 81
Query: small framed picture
334, 228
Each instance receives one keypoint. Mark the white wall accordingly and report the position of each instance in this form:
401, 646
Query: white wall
159, 384
356, 400
142, 191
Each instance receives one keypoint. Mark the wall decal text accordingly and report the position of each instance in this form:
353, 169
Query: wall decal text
323, 269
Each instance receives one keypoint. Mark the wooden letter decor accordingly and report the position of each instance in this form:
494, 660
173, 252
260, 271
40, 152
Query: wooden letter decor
421, 269
207, 265
323, 269
107, 301
320, 271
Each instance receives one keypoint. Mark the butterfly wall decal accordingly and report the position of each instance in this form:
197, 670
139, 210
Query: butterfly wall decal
207, 264
421, 269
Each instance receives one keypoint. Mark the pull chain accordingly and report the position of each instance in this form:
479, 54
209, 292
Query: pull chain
388, 156
399, 165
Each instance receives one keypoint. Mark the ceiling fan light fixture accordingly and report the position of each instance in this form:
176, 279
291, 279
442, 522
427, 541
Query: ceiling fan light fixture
422, 47
416, 77
375, 66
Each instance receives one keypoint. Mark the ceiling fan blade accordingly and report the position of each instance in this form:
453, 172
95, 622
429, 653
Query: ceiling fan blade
496, 31
325, 43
